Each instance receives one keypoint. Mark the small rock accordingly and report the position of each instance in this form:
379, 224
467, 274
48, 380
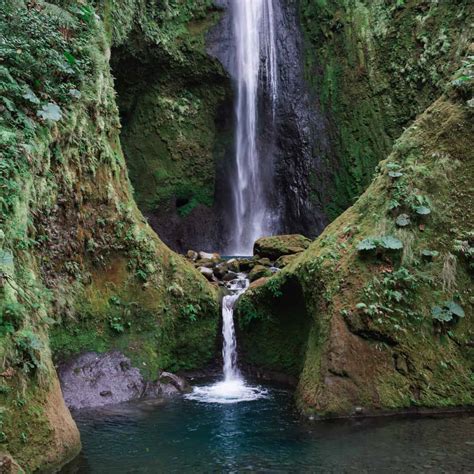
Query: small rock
207, 272
192, 255
215, 257
358, 410
179, 382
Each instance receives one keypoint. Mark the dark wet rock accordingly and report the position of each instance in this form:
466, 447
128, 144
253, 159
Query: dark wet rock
276, 246
92, 380
179, 383
246, 264
233, 265
220, 270
229, 276
297, 158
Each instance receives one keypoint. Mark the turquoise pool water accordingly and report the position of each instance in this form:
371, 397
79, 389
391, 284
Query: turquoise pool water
265, 435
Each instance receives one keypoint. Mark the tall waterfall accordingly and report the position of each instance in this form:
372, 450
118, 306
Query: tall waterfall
255, 43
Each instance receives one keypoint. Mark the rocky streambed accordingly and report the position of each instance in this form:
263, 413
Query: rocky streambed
271, 254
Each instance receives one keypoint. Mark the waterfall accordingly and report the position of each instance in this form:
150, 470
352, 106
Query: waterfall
255, 39
233, 388
229, 347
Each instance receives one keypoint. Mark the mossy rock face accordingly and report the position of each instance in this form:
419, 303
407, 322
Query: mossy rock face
374, 66
371, 341
279, 245
174, 100
85, 271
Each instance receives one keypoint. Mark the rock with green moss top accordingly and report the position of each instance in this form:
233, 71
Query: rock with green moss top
276, 246
285, 260
259, 271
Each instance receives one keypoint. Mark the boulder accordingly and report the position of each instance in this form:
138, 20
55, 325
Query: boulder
207, 272
285, 260
209, 256
220, 270
259, 271
205, 262
229, 276
258, 283
266, 262
93, 380
233, 265
245, 264
278, 245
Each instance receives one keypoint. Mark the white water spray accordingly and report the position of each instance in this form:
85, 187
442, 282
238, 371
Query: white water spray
254, 34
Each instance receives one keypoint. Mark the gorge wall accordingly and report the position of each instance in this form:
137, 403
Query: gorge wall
81, 269
377, 339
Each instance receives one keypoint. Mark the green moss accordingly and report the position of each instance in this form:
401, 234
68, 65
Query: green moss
374, 66
169, 134
82, 262
272, 326
368, 312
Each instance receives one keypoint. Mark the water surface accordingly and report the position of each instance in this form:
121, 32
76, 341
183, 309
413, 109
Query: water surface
265, 435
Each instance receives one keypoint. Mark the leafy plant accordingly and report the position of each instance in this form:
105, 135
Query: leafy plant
28, 347
274, 287
50, 111
429, 254
117, 325
367, 244
422, 210
447, 312
403, 220
191, 311
395, 174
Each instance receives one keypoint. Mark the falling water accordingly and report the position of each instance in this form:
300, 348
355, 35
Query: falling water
254, 33
229, 348
233, 388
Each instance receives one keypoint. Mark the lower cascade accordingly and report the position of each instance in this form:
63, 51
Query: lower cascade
232, 388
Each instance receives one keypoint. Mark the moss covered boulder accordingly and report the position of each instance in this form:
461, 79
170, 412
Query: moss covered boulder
278, 245
381, 327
